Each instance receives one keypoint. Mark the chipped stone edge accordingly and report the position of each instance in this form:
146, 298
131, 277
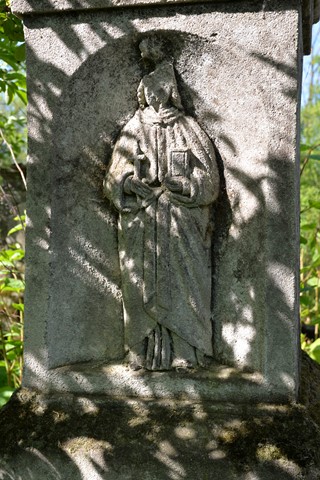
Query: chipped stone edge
310, 9
27, 7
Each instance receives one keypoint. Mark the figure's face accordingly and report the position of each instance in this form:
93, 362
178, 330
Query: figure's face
156, 95
151, 99
144, 49
150, 51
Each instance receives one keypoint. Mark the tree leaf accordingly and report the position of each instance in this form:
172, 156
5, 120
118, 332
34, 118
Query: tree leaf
308, 226
314, 282
20, 53
12, 285
18, 306
314, 204
5, 394
15, 229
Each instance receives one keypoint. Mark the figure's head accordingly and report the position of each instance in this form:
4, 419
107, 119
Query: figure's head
153, 49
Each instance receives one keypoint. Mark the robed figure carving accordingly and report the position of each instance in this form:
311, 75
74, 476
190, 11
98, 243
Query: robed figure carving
163, 180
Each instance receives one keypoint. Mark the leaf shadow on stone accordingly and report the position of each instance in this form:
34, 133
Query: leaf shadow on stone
170, 434
69, 174
62, 436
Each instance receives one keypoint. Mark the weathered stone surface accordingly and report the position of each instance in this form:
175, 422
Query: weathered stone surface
94, 438
238, 72
217, 383
310, 9
163, 180
23, 7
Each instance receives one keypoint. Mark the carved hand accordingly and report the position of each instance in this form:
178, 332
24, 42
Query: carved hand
135, 185
177, 185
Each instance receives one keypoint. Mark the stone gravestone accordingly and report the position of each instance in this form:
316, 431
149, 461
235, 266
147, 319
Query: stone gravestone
163, 211
203, 96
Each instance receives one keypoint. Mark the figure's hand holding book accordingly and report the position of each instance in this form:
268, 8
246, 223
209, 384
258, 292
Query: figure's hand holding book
177, 184
137, 186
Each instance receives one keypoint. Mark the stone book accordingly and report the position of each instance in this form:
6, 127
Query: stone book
179, 163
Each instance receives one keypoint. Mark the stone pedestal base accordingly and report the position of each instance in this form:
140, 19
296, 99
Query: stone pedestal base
217, 383
69, 437
89, 439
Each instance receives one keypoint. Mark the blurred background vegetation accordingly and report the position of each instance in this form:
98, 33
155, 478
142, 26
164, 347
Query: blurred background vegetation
13, 151
310, 202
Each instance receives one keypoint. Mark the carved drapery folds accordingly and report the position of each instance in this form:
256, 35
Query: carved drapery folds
163, 180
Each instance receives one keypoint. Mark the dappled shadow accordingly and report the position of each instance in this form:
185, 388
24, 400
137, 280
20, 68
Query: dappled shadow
62, 437
81, 94
76, 231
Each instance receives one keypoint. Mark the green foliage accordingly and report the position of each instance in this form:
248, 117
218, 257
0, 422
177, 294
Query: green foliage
310, 212
11, 314
310, 250
13, 97
12, 55
12, 154
13, 133
312, 348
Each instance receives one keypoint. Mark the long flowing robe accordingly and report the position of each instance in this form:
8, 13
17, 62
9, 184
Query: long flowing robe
164, 241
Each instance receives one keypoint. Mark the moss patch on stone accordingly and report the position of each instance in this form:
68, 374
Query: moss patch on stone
196, 437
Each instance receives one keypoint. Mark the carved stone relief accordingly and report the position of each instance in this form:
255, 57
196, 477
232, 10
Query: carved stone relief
163, 180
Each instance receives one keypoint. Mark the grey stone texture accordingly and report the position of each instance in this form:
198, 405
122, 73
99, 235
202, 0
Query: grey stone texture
163, 179
238, 69
73, 437
310, 9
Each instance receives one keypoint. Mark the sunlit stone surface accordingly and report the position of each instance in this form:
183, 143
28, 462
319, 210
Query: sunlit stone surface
133, 370
233, 69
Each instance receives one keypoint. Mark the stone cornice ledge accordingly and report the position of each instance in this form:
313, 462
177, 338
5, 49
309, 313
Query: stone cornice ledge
310, 8
27, 7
